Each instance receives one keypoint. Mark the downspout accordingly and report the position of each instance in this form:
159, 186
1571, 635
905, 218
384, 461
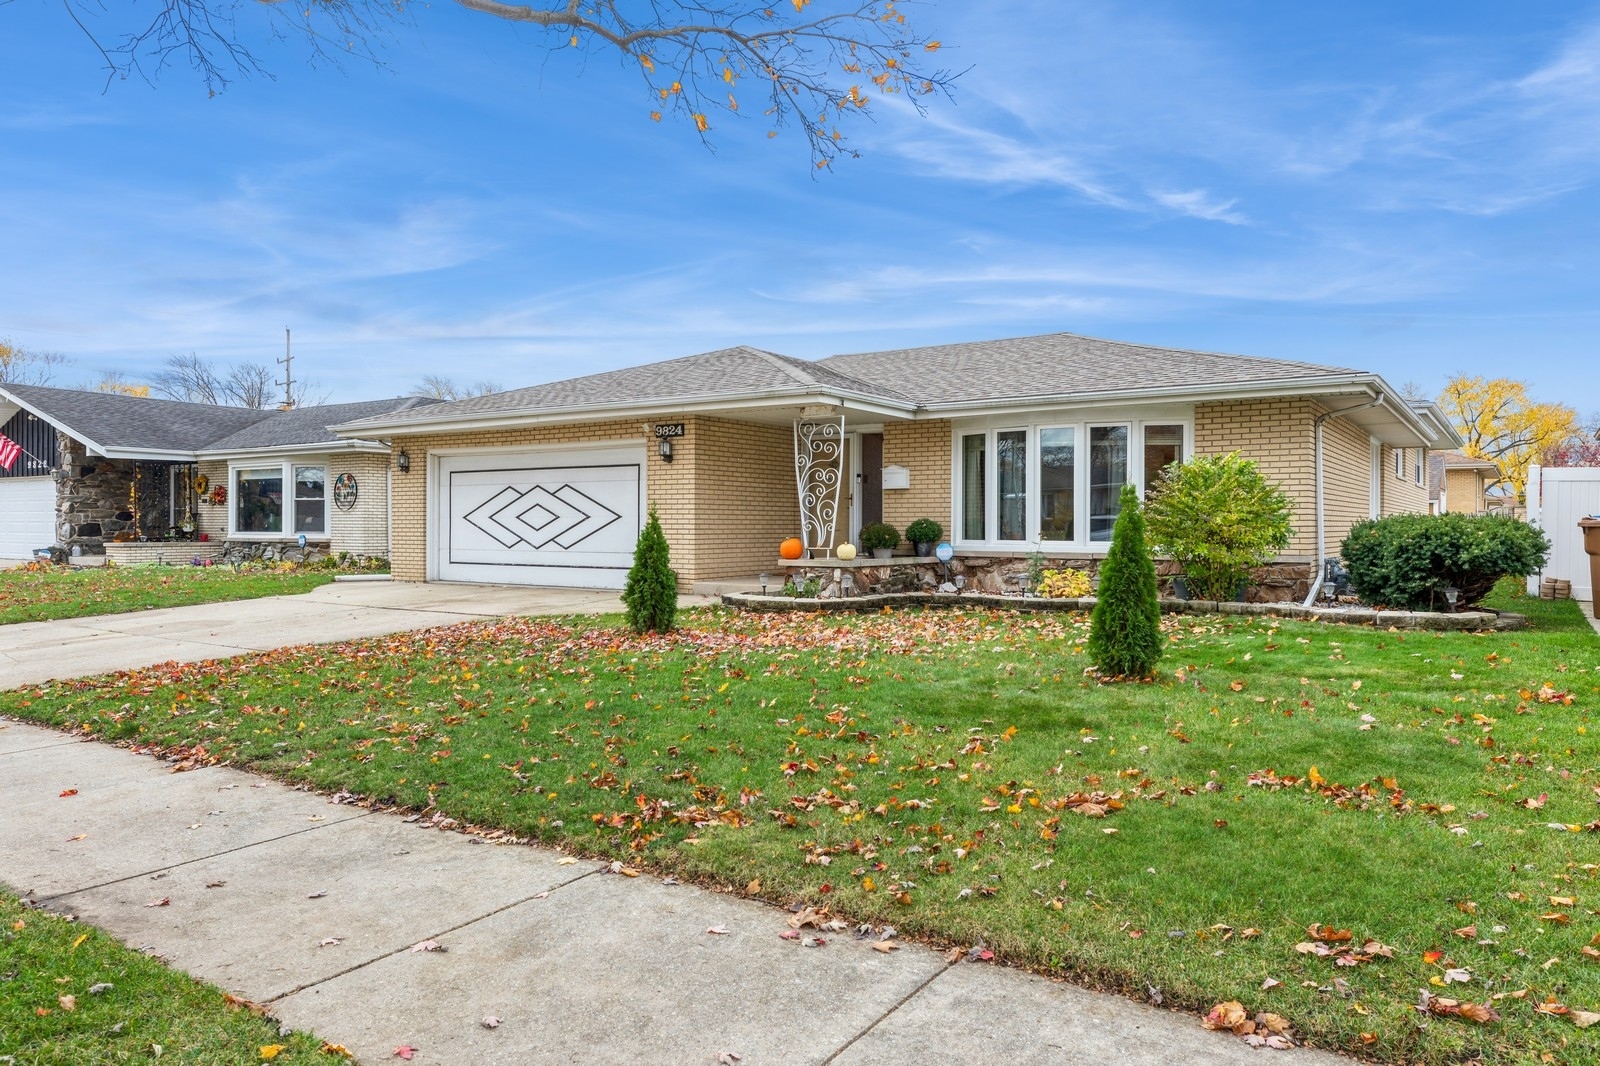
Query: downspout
1322, 532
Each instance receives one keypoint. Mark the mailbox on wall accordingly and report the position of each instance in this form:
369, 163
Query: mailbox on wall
896, 477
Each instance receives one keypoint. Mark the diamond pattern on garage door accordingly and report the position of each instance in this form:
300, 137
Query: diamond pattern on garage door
541, 521
540, 516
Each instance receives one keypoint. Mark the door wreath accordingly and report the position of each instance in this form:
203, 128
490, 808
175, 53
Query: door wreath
201, 484
219, 495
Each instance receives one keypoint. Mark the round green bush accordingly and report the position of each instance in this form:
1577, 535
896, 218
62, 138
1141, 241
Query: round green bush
924, 531
879, 535
1408, 560
1218, 518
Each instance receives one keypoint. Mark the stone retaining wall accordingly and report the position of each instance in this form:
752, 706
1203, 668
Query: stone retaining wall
1008, 575
1460, 621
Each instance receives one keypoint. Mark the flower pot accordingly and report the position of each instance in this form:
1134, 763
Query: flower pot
883, 553
925, 549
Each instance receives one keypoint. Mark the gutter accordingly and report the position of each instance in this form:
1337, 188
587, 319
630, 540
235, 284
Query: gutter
1322, 532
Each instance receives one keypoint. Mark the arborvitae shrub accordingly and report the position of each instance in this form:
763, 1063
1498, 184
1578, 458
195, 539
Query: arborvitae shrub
651, 593
1125, 627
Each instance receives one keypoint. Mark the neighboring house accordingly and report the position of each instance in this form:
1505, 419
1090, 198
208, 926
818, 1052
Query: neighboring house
1457, 482
1010, 445
107, 473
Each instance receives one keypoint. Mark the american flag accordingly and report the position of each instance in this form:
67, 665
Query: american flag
9, 450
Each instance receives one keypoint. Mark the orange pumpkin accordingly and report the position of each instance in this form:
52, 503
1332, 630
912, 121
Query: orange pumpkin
791, 548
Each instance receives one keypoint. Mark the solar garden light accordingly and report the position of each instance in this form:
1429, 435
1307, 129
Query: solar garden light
1451, 595
848, 583
765, 578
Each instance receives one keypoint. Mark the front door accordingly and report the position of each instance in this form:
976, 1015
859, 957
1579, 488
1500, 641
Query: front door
869, 480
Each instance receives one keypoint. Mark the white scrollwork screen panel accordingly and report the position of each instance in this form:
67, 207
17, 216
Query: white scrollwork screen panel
819, 476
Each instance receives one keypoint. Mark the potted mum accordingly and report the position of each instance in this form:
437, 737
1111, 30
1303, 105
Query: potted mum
924, 533
880, 538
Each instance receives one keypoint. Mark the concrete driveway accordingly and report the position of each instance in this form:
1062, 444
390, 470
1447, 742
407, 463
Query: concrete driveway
32, 652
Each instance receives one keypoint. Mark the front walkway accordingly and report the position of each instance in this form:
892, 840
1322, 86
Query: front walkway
31, 652
1587, 608
315, 909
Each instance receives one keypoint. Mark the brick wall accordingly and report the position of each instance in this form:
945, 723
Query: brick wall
745, 497
1277, 434
364, 529
1346, 479
1401, 493
924, 449
213, 518
1463, 490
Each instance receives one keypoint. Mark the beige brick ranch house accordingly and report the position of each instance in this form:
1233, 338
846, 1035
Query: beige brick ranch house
1010, 445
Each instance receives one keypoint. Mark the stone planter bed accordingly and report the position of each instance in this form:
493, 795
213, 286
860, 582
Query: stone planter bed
1365, 616
170, 552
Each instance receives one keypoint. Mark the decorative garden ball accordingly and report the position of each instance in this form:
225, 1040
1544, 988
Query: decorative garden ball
847, 551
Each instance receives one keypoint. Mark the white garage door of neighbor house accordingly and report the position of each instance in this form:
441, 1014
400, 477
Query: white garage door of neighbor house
27, 516
568, 518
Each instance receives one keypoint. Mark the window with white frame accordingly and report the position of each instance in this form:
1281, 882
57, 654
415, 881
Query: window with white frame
1417, 464
1056, 483
262, 507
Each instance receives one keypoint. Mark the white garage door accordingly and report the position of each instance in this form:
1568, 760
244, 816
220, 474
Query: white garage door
569, 517
27, 515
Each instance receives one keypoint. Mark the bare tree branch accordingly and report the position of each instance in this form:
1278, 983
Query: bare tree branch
802, 67
195, 379
24, 366
438, 387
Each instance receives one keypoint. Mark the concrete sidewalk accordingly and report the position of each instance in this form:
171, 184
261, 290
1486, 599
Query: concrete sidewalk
1587, 607
37, 651
288, 899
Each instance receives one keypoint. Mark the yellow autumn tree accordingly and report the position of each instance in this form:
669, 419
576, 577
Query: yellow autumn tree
1500, 422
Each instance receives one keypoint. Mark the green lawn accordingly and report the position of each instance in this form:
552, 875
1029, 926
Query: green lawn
33, 595
72, 996
943, 771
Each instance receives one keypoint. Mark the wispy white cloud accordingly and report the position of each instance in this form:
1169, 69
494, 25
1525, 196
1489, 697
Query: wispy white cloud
1199, 203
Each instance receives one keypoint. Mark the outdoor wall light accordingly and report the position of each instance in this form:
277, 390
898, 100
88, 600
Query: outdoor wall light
664, 449
403, 461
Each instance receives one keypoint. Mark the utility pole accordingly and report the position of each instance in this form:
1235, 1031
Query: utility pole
288, 373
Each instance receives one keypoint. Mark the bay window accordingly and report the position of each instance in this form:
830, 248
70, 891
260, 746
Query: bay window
260, 505
1055, 484
1011, 463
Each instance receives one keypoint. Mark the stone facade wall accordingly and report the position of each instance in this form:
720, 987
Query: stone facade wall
923, 448
364, 529
93, 508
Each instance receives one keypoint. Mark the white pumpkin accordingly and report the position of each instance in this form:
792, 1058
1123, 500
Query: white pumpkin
846, 552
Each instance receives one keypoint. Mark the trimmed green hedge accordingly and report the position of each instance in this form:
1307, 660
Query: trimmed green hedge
1409, 560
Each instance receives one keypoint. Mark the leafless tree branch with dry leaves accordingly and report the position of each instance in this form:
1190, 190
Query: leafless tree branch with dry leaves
805, 64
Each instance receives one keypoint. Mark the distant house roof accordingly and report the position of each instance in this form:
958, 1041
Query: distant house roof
922, 382
1439, 462
117, 425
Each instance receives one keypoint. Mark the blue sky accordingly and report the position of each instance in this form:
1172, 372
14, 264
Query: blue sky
1410, 189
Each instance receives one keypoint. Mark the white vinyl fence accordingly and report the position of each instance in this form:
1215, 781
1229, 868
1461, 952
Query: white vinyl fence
1557, 498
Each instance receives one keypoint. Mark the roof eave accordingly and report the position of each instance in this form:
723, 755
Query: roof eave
348, 444
60, 427
1235, 390
705, 404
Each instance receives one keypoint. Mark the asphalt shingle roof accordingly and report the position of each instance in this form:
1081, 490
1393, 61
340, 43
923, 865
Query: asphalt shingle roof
1053, 365
309, 425
1056, 364
114, 420
138, 423
727, 372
